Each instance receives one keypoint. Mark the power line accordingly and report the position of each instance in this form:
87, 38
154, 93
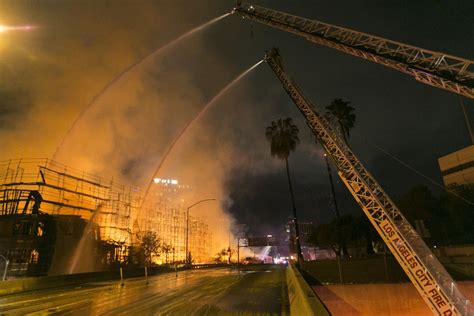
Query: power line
406, 165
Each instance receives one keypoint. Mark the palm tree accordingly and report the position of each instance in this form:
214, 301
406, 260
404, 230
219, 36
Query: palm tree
283, 138
344, 115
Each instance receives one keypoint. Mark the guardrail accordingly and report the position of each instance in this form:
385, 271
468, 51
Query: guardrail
303, 300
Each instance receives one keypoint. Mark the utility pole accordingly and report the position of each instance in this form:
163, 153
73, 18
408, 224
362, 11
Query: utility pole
338, 233
332, 185
238, 251
468, 121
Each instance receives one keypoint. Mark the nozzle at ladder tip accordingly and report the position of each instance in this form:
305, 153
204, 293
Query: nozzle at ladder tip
237, 6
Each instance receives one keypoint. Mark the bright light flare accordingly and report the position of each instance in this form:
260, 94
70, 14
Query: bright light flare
166, 181
6, 28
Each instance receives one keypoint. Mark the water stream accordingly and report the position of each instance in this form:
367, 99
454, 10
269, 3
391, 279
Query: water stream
128, 70
82, 242
190, 124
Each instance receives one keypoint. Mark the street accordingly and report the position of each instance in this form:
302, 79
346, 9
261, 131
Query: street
252, 290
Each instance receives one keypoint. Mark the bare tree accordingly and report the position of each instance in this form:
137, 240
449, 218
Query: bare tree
222, 255
166, 248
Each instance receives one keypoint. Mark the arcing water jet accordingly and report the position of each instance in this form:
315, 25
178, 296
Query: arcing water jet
126, 71
190, 124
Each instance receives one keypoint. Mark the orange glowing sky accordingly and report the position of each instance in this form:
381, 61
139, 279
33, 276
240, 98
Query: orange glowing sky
49, 74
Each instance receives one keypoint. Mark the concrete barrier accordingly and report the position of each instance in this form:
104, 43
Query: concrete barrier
303, 300
39, 283
46, 282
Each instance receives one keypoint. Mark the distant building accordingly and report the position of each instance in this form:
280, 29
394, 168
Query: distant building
305, 229
458, 167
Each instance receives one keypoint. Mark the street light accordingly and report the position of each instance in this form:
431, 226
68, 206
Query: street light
187, 225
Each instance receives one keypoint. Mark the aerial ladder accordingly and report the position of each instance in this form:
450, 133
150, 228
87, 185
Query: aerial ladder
437, 69
427, 274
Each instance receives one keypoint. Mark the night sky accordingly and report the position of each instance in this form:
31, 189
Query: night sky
49, 75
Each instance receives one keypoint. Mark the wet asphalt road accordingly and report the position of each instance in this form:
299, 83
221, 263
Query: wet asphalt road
253, 290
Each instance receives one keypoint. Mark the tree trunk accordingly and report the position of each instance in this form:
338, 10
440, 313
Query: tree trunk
341, 245
343, 132
332, 186
297, 230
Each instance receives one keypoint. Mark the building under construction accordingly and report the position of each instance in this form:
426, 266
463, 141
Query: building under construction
46, 209
56, 219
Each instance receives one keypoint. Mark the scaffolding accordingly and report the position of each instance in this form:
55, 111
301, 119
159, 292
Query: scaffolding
31, 186
199, 232
165, 214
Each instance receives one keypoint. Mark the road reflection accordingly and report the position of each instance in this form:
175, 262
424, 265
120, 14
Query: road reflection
194, 291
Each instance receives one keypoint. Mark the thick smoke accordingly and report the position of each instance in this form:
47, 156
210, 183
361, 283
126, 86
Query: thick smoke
52, 73
124, 134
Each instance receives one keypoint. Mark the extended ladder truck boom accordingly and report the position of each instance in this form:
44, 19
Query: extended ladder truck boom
427, 274
437, 69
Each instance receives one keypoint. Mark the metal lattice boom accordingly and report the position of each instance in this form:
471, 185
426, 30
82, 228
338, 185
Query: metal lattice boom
427, 274
433, 68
